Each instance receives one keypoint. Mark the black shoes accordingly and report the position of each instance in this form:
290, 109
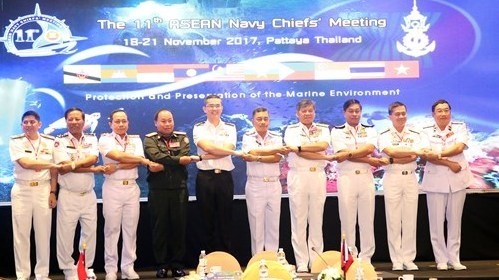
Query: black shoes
161, 273
176, 273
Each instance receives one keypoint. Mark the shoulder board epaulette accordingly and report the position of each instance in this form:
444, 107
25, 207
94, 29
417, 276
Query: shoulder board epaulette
47, 136
429, 126
294, 125
133, 136
274, 133
230, 124
89, 134
339, 126
152, 134
322, 125
199, 123
179, 132
457, 122
63, 135
415, 131
17, 136
384, 131
105, 134
366, 125
250, 133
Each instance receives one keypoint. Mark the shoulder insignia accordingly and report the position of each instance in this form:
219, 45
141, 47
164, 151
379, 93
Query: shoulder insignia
133, 136
89, 134
384, 131
63, 135
414, 131
47, 136
339, 126
17, 136
179, 132
322, 125
293, 125
250, 133
106, 134
366, 125
199, 124
457, 122
274, 133
429, 126
229, 124
152, 134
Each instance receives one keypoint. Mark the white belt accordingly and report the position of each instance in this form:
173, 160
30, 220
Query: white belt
264, 179
122, 182
32, 183
402, 172
355, 171
308, 169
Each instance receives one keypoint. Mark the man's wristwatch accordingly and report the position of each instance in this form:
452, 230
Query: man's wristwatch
391, 160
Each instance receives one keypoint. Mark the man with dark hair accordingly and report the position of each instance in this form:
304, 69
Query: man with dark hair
354, 144
445, 181
263, 152
402, 145
77, 152
33, 195
216, 142
308, 142
168, 194
122, 153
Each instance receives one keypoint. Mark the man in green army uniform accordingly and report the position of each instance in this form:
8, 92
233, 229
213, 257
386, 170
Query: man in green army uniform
168, 194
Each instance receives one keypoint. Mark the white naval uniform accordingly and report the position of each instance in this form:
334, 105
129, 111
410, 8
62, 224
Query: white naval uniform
401, 192
263, 193
307, 192
77, 202
121, 205
224, 133
30, 204
356, 188
446, 191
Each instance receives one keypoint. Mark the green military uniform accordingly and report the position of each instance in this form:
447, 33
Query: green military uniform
168, 197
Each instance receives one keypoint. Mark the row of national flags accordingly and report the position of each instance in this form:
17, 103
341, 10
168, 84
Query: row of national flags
281, 71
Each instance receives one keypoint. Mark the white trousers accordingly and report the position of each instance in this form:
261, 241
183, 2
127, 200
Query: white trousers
356, 198
30, 206
441, 207
307, 195
121, 211
73, 208
401, 209
263, 200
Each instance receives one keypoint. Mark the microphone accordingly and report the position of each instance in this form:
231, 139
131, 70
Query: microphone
319, 255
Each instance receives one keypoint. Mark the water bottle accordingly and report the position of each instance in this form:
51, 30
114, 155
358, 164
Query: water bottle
263, 270
203, 262
281, 257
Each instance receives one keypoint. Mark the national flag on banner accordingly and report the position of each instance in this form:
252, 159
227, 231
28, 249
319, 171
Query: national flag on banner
346, 255
155, 73
82, 74
81, 266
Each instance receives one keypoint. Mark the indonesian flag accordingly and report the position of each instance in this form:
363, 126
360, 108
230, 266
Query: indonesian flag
81, 267
346, 255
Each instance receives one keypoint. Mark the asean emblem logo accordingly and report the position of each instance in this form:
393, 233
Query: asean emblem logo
37, 35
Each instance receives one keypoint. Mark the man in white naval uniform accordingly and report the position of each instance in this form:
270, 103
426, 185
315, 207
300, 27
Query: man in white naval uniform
263, 151
77, 152
308, 142
355, 179
216, 141
33, 195
445, 181
122, 154
402, 145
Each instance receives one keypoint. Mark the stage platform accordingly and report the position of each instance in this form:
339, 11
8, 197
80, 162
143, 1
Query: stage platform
476, 270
